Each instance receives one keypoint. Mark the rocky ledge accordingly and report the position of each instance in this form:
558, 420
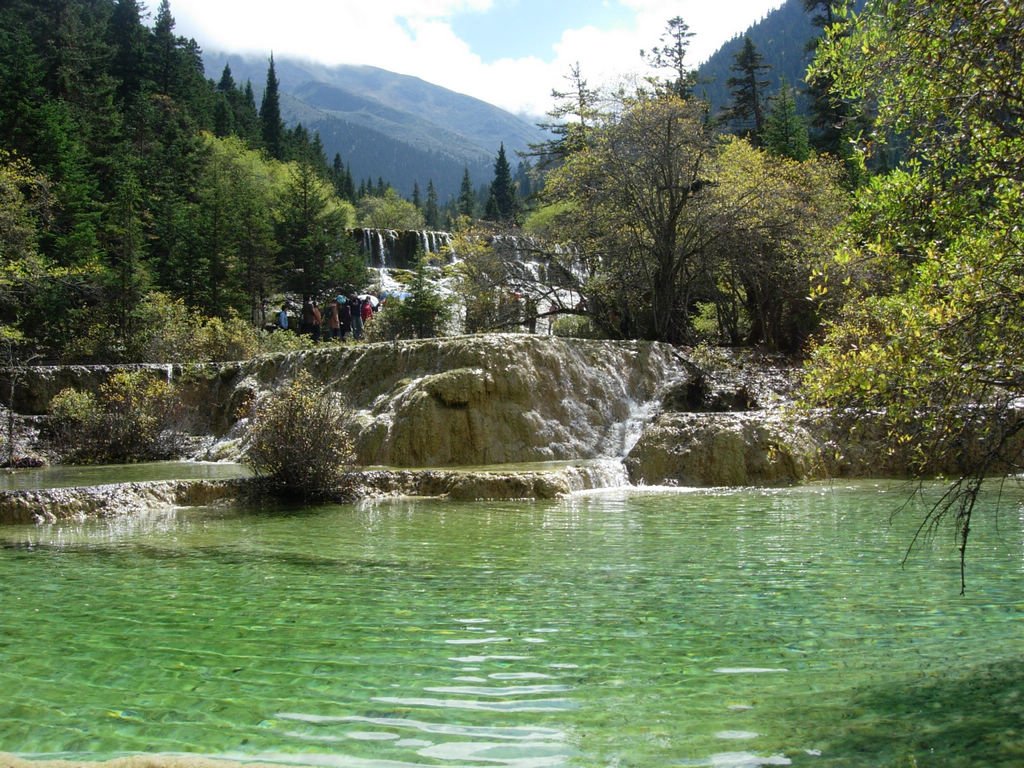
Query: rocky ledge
84, 502
656, 413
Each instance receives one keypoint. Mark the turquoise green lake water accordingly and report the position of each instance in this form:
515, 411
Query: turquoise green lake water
624, 628
64, 476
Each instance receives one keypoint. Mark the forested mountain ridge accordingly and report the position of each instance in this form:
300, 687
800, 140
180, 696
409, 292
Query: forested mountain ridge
782, 38
389, 125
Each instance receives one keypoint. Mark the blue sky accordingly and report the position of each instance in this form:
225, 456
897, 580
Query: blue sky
518, 28
511, 53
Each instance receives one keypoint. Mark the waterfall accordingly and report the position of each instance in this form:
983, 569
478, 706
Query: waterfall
597, 474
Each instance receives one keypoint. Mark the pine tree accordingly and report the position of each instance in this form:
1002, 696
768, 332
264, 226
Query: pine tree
431, 211
581, 103
223, 110
128, 39
247, 119
785, 131
338, 175
830, 115
127, 276
467, 200
272, 129
416, 196
747, 108
308, 229
671, 55
227, 82
165, 49
223, 117
502, 202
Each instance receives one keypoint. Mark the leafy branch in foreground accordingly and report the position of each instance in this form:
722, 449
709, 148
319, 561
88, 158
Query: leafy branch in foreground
931, 324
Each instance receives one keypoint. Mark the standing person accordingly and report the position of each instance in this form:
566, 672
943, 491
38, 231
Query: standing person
333, 321
282, 318
366, 310
344, 316
317, 322
308, 317
355, 307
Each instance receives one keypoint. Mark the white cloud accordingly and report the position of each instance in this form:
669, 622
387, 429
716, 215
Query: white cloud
414, 37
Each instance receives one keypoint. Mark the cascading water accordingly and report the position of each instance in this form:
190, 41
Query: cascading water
396, 249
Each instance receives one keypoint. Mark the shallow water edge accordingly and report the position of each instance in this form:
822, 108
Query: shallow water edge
132, 761
50, 505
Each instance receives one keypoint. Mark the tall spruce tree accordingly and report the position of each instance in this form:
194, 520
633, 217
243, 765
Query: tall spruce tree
272, 129
502, 202
785, 130
671, 55
747, 112
580, 103
831, 115
467, 200
227, 81
165, 49
431, 210
127, 37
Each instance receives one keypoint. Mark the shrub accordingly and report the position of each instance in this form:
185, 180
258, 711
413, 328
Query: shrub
70, 413
284, 341
221, 339
163, 330
575, 326
425, 313
298, 444
132, 418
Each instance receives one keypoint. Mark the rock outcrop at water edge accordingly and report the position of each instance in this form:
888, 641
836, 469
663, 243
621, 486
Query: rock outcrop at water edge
675, 415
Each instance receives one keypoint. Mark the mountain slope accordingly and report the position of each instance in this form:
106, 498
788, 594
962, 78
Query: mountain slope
781, 37
388, 125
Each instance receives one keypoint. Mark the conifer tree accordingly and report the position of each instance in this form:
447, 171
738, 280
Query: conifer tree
671, 55
308, 229
502, 203
431, 211
247, 119
580, 102
272, 129
747, 110
128, 39
467, 200
223, 110
830, 115
785, 131
164, 46
227, 82
223, 117
338, 176
350, 184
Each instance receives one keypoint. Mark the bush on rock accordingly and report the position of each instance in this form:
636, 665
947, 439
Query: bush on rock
298, 444
133, 417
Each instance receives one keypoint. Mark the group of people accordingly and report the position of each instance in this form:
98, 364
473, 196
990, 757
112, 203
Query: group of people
336, 320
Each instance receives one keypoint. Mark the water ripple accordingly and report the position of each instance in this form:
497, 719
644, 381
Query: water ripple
513, 690
534, 705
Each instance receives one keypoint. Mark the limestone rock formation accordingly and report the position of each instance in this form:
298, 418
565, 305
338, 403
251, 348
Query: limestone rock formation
476, 400
681, 416
723, 449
